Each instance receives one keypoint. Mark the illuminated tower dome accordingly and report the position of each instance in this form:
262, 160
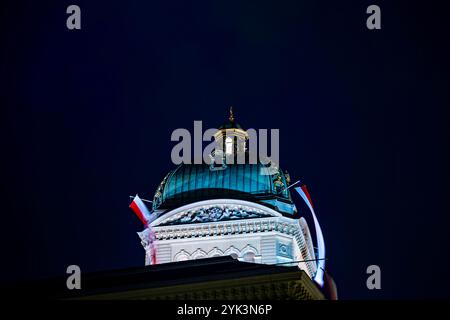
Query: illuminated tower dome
218, 209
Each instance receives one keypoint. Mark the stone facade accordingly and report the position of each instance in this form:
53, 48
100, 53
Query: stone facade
245, 230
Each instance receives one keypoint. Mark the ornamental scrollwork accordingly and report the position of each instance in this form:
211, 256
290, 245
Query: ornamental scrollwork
214, 214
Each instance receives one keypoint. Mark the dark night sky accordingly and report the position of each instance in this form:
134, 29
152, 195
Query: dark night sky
86, 118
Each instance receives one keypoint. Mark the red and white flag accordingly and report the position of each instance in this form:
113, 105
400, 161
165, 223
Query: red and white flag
140, 209
148, 236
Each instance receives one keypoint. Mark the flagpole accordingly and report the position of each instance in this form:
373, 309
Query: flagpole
284, 189
132, 197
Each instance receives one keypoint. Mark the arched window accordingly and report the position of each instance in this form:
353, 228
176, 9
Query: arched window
181, 256
249, 257
216, 252
233, 252
199, 254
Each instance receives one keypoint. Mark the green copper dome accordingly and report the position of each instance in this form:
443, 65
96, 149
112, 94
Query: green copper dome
262, 183
197, 182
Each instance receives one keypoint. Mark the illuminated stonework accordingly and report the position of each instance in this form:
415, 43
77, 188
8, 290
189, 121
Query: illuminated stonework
250, 232
215, 213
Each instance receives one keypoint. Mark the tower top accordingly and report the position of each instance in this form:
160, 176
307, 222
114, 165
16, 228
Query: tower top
231, 117
231, 123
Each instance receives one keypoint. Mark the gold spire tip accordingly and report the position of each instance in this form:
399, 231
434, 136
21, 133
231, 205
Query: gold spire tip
231, 118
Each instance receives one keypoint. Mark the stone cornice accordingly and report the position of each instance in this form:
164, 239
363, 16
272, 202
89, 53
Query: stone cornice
236, 227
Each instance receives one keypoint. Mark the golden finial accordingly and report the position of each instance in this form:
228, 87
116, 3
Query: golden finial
231, 118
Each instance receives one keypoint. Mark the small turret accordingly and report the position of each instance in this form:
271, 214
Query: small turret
230, 137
